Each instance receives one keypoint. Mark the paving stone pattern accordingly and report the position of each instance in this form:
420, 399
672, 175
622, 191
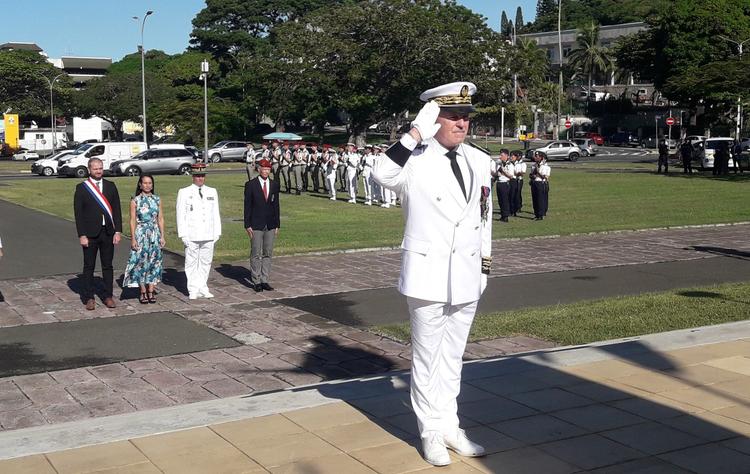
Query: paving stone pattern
283, 346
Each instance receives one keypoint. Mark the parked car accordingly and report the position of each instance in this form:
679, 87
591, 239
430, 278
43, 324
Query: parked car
706, 155
651, 142
598, 139
25, 155
693, 139
196, 152
624, 139
227, 151
108, 152
587, 146
48, 166
560, 149
745, 144
155, 161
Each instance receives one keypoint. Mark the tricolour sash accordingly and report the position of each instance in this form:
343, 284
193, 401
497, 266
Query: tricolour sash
100, 199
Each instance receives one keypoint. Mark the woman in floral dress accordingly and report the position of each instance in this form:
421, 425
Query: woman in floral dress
147, 231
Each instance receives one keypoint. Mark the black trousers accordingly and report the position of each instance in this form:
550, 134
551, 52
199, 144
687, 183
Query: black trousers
514, 196
687, 165
315, 175
101, 244
520, 195
503, 198
540, 197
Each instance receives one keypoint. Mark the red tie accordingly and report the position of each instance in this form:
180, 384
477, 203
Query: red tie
265, 190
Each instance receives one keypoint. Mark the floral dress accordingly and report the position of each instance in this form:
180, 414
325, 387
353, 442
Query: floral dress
145, 264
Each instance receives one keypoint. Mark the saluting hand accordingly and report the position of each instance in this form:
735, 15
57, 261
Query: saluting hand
425, 122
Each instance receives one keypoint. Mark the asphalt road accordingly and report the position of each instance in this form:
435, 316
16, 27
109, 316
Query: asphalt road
39, 244
386, 306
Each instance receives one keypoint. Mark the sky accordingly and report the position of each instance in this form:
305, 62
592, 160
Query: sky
105, 28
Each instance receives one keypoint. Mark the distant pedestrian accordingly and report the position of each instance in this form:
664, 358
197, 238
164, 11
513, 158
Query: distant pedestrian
262, 224
199, 228
721, 159
663, 157
144, 266
96, 205
737, 157
686, 153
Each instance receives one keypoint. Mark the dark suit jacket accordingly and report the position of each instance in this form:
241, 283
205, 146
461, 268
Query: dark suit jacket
260, 213
89, 214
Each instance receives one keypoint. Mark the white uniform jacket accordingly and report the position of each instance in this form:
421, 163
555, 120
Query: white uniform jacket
198, 219
445, 237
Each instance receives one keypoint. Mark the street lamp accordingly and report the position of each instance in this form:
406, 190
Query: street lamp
143, 73
204, 76
51, 108
739, 98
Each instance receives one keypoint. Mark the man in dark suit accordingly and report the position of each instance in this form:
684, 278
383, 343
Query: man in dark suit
261, 224
96, 205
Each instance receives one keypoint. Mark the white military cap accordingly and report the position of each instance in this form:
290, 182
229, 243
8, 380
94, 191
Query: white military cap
456, 95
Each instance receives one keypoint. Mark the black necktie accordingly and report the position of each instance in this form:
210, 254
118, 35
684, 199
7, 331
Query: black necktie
456, 170
200, 192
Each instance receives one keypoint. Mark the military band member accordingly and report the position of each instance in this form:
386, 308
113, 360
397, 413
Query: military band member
341, 168
285, 162
513, 184
250, 155
275, 159
539, 177
385, 193
199, 228
504, 172
307, 166
351, 161
330, 167
376, 189
366, 163
445, 186
298, 167
314, 167
520, 170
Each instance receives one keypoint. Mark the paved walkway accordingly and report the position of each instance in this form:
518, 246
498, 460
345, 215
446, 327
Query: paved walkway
668, 403
283, 346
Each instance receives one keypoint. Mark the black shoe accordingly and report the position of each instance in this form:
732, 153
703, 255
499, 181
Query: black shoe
503, 219
266, 286
258, 287
299, 192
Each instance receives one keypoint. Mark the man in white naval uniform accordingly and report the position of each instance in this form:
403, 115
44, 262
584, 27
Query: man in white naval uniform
199, 227
445, 190
351, 158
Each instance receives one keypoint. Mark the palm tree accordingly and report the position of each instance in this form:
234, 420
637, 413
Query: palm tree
589, 57
531, 62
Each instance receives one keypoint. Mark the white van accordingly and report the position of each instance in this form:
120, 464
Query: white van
108, 152
709, 150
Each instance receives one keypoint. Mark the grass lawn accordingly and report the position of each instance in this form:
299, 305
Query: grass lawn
581, 200
611, 318
12, 167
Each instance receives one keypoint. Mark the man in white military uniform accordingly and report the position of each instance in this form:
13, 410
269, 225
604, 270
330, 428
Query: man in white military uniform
351, 159
445, 190
199, 227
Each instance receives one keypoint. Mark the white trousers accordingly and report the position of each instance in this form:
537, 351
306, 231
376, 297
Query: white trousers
351, 178
198, 258
368, 182
387, 195
438, 338
331, 180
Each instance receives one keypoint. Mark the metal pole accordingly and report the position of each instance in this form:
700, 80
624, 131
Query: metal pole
204, 71
143, 76
656, 132
515, 87
502, 125
669, 133
559, 49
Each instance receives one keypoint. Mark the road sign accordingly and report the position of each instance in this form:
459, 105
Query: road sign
670, 121
568, 124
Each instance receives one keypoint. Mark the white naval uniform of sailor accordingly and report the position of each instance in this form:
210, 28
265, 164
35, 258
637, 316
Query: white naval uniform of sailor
368, 161
352, 162
199, 227
445, 238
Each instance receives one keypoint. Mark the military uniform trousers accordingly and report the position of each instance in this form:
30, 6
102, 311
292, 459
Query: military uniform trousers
368, 182
261, 251
198, 258
663, 160
540, 197
520, 194
351, 181
252, 171
284, 175
341, 175
298, 171
503, 198
513, 195
275, 171
331, 183
439, 332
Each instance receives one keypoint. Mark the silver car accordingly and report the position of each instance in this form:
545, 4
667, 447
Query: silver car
561, 149
587, 146
227, 151
155, 161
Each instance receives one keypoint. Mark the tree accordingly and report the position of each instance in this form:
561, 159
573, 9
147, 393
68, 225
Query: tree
373, 69
505, 26
24, 89
589, 56
576, 13
519, 20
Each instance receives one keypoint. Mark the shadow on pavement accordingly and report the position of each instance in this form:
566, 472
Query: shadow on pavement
237, 273
619, 408
741, 254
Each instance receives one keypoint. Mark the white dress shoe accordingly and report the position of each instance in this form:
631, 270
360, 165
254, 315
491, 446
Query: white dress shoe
193, 296
433, 449
206, 294
461, 444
